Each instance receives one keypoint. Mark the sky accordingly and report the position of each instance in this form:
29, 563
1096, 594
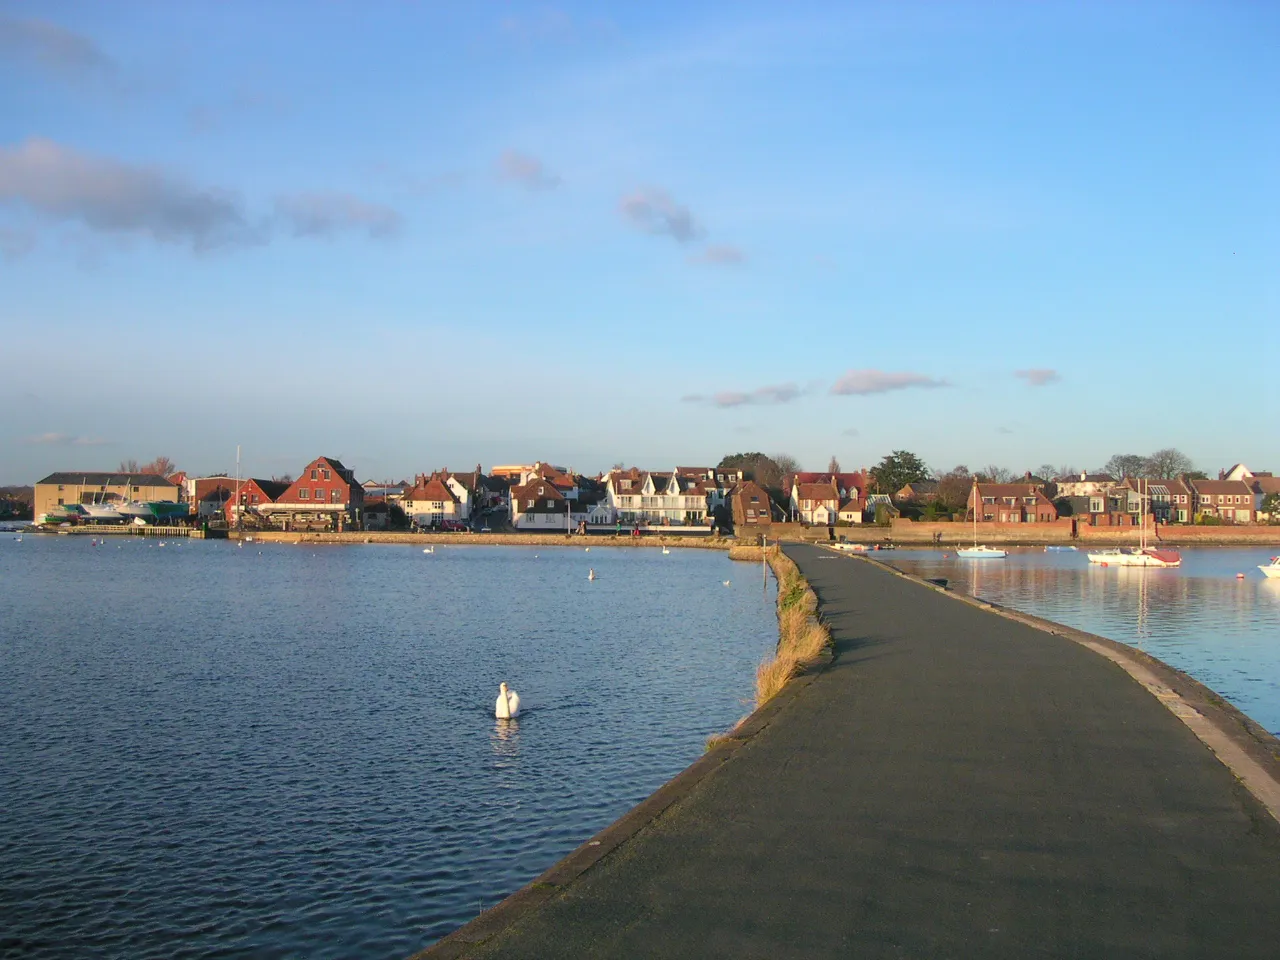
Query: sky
417, 235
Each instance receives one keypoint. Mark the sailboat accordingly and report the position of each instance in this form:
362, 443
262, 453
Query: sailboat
977, 551
1142, 556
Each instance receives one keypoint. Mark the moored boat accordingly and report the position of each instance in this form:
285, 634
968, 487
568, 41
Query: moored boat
1136, 557
1271, 570
982, 552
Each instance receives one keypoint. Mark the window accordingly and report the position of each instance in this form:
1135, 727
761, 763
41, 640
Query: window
1095, 505
59, 499
325, 474
314, 475
528, 504
319, 494
255, 498
333, 495
1029, 501
59, 490
991, 500
304, 493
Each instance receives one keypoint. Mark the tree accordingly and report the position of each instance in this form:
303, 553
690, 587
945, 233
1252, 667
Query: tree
833, 466
1271, 507
954, 487
764, 470
993, 474
896, 470
161, 467
129, 466
1168, 463
283, 478
786, 463
1124, 465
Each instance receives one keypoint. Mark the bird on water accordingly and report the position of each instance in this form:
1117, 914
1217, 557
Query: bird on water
508, 705
591, 574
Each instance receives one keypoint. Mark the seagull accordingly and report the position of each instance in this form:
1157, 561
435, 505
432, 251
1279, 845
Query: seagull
507, 706
726, 582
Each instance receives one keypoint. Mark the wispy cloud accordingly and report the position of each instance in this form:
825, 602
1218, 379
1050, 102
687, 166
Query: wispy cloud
322, 214
115, 197
65, 440
850, 432
861, 383
15, 243
52, 48
654, 211
527, 171
1038, 376
761, 396
720, 255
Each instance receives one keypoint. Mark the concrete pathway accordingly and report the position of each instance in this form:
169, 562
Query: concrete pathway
955, 784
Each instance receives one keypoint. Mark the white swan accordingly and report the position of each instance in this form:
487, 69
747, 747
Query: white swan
665, 550
508, 705
591, 574
430, 549
726, 582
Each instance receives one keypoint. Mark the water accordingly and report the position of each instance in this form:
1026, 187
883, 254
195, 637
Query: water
1198, 617
290, 751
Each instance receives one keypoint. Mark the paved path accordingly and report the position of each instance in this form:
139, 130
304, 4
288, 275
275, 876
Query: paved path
955, 784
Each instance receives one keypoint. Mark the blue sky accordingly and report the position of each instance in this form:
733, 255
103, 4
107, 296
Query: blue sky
415, 235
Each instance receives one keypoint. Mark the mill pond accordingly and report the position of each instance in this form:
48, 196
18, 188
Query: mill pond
277, 750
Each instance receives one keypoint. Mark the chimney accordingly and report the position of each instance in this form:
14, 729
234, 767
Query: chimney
1083, 475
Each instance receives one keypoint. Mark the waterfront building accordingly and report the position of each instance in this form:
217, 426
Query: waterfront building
670, 499
917, 492
1230, 501
431, 501
852, 511
1085, 485
325, 496
849, 485
254, 494
539, 506
1011, 503
70, 487
815, 503
751, 505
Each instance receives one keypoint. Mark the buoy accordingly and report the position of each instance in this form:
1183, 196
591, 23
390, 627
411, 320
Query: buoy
1239, 576
508, 704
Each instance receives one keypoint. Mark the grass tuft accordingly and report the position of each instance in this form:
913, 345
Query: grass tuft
801, 636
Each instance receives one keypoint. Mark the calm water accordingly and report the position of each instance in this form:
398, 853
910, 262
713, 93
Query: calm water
1198, 617
286, 751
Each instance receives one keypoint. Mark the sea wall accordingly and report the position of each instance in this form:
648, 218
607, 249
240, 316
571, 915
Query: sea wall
912, 531
486, 539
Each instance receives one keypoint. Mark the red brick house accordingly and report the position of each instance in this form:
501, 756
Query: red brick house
254, 494
325, 496
750, 505
1011, 503
1230, 501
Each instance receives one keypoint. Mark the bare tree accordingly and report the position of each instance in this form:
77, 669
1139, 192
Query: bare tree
160, 466
954, 487
129, 466
283, 478
1125, 465
833, 466
1168, 463
993, 474
786, 463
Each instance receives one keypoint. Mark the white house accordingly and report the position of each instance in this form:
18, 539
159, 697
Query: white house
816, 503
430, 502
538, 505
638, 496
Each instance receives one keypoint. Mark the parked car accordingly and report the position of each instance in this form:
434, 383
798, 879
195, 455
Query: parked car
485, 530
452, 525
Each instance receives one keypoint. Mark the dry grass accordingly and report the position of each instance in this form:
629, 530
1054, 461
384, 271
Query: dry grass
801, 636
746, 553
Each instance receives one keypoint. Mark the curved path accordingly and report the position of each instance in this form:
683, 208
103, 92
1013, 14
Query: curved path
955, 784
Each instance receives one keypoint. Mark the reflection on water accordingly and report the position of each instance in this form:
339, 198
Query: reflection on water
292, 751
1199, 617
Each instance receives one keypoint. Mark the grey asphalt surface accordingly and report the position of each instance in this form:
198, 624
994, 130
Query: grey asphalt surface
955, 784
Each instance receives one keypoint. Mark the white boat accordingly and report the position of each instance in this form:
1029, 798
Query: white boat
850, 547
1271, 570
1140, 556
979, 551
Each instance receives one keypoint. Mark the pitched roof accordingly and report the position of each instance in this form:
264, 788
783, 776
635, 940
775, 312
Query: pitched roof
815, 491
1222, 486
1265, 485
108, 479
272, 488
1011, 490
433, 489
536, 489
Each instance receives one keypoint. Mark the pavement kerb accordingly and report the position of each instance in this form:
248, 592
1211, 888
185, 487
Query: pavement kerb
530, 897
1244, 747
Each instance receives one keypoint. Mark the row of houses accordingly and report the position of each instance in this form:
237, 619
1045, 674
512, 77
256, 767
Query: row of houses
545, 497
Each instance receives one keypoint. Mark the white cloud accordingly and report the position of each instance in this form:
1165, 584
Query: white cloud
861, 383
322, 214
1038, 376
654, 211
774, 394
51, 47
65, 440
527, 171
